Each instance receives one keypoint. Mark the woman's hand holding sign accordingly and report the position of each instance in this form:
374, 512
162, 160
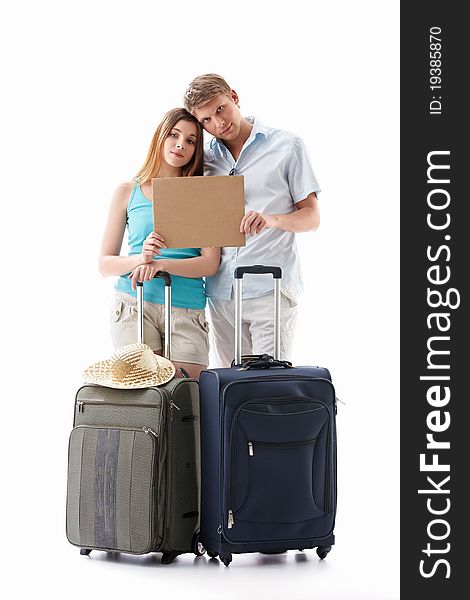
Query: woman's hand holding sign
151, 246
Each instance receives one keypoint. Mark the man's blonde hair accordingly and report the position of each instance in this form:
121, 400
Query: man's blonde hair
204, 88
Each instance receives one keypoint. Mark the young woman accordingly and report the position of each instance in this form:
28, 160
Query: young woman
176, 151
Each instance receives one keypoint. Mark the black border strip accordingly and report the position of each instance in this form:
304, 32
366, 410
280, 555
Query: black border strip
435, 266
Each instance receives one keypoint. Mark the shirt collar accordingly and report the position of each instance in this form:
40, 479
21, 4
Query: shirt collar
258, 127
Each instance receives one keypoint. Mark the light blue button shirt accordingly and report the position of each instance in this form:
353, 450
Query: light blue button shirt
277, 174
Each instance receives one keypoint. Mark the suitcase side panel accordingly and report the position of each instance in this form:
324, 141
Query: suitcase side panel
211, 508
73, 488
182, 502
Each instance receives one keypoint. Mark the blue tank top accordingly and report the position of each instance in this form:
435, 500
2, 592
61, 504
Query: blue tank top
186, 292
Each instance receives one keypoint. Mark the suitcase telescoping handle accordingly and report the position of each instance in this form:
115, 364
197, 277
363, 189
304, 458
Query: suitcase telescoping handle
257, 270
140, 311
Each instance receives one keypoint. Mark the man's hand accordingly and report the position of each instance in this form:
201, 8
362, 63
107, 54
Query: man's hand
254, 222
145, 272
151, 246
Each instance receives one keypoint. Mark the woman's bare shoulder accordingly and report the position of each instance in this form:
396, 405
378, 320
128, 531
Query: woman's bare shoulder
122, 193
125, 187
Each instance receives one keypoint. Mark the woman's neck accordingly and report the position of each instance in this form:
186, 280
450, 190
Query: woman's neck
167, 170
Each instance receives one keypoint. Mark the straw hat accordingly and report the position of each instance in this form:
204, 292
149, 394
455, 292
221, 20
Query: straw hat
130, 367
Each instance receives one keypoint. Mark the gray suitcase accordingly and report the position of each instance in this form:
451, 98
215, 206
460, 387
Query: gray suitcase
134, 467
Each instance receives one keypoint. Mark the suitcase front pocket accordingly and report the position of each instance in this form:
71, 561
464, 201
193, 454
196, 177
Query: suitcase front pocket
111, 492
280, 488
278, 463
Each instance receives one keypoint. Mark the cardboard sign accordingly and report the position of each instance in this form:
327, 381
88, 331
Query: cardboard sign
199, 212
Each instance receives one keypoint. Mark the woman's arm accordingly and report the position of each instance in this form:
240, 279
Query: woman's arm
200, 266
110, 263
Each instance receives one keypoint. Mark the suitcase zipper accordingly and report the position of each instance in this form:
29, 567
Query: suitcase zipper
251, 450
150, 431
168, 517
147, 430
172, 406
82, 403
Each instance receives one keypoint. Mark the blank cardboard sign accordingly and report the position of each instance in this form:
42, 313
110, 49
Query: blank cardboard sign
199, 212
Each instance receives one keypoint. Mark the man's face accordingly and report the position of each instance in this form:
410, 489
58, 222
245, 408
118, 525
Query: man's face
220, 116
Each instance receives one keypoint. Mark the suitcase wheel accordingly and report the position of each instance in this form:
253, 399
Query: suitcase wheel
212, 554
322, 551
196, 546
226, 559
168, 557
85, 551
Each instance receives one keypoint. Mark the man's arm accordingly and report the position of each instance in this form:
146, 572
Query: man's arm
304, 217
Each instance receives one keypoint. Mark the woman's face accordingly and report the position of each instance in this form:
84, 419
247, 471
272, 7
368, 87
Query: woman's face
179, 146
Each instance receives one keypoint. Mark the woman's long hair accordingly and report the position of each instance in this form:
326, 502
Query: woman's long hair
154, 158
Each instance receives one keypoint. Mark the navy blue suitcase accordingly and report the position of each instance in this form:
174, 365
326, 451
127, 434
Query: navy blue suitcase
268, 451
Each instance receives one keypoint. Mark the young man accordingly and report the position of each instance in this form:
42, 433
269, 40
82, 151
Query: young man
280, 199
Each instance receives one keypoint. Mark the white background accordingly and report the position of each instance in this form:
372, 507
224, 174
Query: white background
84, 86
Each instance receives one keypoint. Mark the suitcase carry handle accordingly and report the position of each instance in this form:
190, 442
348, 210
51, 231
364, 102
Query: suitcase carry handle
140, 311
276, 272
261, 361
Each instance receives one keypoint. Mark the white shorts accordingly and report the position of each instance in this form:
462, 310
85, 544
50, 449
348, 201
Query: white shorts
257, 328
189, 333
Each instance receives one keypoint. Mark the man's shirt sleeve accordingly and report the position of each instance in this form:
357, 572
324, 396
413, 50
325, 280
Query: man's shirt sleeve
300, 175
